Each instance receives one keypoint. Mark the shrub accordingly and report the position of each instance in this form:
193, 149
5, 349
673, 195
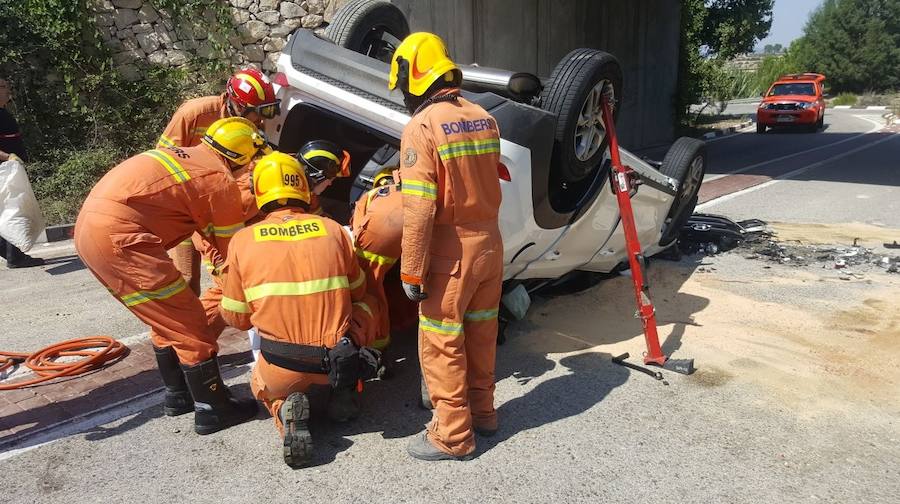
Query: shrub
78, 116
844, 99
63, 178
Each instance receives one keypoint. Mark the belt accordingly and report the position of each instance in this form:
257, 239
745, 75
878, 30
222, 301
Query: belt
294, 356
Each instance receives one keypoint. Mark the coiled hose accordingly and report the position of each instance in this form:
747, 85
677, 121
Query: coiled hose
96, 352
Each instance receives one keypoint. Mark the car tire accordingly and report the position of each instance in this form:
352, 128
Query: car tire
362, 26
686, 163
761, 128
579, 77
821, 123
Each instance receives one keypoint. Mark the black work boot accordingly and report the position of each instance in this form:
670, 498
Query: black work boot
15, 258
214, 408
343, 406
178, 398
298, 445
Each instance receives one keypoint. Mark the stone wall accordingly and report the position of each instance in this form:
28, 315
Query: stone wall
140, 34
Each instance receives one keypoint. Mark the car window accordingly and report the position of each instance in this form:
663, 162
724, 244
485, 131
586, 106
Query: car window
799, 88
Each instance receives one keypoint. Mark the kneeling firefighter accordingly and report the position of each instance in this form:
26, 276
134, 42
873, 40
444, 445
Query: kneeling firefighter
294, 276
377, 225
452, 250
322, 162
147, 205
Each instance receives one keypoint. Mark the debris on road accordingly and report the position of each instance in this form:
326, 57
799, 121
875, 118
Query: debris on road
712, 234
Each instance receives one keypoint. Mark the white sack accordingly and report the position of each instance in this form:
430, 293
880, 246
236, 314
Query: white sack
21, 220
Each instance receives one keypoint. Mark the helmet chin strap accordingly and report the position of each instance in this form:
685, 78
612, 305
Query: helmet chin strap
425, 102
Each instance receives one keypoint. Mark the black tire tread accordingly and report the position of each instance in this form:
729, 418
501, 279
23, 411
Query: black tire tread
346, 18
569, 75
675, 165
683, 147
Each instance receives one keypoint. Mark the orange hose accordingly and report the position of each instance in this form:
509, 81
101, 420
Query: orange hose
43, 362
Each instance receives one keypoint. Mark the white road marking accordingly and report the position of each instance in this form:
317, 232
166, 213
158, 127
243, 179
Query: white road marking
792, 174
876, 126
876, 107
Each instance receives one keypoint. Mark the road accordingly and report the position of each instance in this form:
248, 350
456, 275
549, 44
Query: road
795, 399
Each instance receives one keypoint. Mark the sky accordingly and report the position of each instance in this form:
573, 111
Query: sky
788, 19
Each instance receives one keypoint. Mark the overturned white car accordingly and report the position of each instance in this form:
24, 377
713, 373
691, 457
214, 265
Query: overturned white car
558, 213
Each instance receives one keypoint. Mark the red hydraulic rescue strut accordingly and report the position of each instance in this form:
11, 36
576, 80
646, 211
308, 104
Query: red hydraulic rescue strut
623, 180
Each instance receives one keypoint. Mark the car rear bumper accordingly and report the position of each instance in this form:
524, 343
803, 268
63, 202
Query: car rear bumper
786, 117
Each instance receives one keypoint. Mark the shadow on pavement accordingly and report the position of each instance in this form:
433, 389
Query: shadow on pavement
65, 264
589, 379
391, 407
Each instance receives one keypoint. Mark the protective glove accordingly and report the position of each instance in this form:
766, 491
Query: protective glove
370, 362
414, 292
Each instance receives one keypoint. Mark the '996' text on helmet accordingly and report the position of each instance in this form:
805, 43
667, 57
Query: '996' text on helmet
279, 177
237, 139
419, 61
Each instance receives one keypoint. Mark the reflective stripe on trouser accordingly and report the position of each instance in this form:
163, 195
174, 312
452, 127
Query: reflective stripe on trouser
375, 274
126, 260
365, 316
272, 384
187, 261
457, 352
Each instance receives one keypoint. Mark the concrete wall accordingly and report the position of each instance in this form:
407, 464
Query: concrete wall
533, 35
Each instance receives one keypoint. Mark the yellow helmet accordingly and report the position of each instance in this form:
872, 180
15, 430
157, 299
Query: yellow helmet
419, 61
384, 177
279, 177
237, 139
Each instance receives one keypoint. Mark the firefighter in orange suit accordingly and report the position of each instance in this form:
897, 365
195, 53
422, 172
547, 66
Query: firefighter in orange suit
452, 250
248, 94
294, 276
146, 205
377, 229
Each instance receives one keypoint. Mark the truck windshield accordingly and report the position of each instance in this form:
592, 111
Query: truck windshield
800, 88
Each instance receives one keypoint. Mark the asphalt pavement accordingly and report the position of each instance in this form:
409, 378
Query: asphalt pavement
574, 427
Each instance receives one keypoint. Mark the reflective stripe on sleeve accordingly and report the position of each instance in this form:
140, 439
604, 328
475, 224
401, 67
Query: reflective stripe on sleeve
439, 326
296, 288
227, 231
140, 297
165, 141
223, 231
233, 305
419, 188
480, 315
361, 279
375, 258
468, 148
171, 165
364, 306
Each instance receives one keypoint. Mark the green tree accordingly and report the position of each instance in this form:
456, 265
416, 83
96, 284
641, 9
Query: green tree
774, 66
724, 28
855, 43
732, 27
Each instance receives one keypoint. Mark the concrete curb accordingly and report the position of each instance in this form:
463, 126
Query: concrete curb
854, 107
727, 131
56, 233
